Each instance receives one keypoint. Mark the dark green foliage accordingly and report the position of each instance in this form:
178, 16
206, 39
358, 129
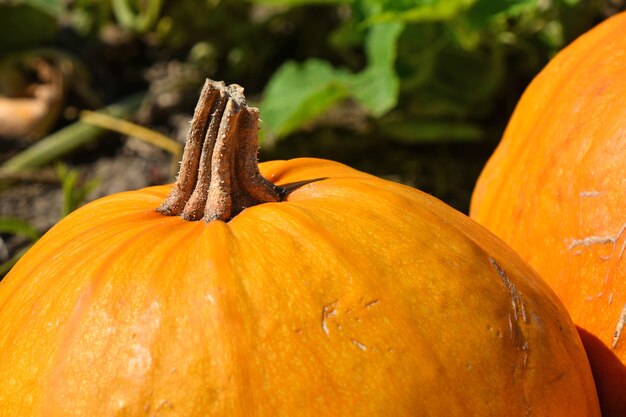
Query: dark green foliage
431, 70
417, 69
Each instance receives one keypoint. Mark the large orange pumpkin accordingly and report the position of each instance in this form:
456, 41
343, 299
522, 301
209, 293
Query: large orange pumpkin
555, 190
353, 296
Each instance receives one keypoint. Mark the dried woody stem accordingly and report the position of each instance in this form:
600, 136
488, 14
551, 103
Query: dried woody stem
219, 176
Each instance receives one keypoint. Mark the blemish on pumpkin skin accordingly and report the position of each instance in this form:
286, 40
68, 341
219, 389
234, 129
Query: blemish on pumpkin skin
619, 327
519, 309
596, 240
140, 362
371, 303
584, 194
328, 311
359, 344
614, 258
516, 318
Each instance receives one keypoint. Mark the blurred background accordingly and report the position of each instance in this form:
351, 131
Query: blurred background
96, 95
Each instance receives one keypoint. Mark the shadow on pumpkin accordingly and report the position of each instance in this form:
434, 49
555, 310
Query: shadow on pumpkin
287, 189
609, 374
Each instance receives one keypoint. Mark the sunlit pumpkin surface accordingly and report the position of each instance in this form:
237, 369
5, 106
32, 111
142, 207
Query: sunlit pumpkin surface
555, 190
355, 297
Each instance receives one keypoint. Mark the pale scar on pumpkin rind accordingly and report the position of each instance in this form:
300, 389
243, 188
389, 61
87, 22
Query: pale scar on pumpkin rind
330, 311
516, 333
519, 312
599, 240
612, 268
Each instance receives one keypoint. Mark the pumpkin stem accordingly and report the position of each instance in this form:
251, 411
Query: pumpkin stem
219, 174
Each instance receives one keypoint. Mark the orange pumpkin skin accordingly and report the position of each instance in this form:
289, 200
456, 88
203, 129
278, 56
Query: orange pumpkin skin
555, 190
355, 297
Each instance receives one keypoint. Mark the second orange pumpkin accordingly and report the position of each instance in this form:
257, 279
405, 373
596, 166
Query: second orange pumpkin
555, 190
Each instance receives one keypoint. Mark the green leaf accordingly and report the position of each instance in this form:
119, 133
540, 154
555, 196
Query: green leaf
14, 226
484, 11
381, 44
377, 87
137, 16
412, 10
297, 93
